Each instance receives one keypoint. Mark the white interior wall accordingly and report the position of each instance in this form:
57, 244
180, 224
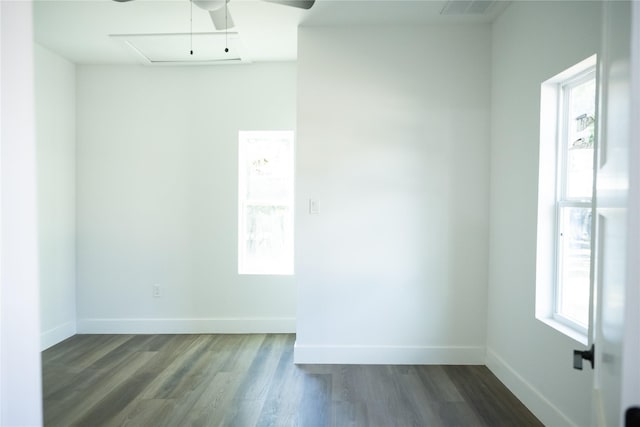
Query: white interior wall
55, 83
20, 372
393, 142
531, 42
157, 197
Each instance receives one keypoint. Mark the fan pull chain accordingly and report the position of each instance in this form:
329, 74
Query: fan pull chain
226, 27
191, 29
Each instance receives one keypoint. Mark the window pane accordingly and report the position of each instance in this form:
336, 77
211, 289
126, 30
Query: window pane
574, 268
268, 244
268, 168
580, 137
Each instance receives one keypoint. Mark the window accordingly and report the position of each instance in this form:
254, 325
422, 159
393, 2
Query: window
575, 187
265, 202
568, 115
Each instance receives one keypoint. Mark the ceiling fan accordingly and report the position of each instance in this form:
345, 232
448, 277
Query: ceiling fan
219, 9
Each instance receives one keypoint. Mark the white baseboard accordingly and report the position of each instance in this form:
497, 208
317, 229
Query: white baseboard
388, 355
58, 334
187, 326
535, 401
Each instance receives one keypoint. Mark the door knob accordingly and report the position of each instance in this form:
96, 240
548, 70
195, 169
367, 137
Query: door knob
579, 355
632, 417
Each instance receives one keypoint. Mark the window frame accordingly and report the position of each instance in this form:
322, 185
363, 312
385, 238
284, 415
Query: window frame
563, 201
553, 153
244, 203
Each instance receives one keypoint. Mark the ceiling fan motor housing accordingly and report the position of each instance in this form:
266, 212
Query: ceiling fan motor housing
210, 4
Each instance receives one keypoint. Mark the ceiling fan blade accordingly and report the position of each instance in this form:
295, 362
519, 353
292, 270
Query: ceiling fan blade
221, 18
302, 4
122, 1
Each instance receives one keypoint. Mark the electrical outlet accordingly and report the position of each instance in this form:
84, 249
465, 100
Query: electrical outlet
156, 291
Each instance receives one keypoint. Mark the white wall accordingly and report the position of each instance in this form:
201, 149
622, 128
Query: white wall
55, 143
393, 142
157, 197
531, 43
20, 373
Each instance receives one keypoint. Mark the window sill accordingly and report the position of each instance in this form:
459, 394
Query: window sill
565, 330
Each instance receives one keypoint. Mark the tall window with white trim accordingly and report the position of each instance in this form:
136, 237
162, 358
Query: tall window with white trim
574, 199
265, 202
565, 193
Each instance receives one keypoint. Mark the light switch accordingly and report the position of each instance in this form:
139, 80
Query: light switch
314, 207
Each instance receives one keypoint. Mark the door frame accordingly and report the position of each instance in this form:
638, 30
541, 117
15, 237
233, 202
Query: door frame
631, 355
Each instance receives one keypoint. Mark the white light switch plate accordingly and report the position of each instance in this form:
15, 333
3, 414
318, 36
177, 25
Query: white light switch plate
314, 207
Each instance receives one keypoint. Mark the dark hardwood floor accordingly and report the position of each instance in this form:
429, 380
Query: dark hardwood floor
250, 380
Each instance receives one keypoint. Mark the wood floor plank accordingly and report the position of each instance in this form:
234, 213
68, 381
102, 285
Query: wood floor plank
438, 385
411, 392
177, 377
349, 414
262, 370
239, 351
211, 406
459, 414
285, 392
84, 353
316, 401
251, 380
116, 400
81, 400
490, 399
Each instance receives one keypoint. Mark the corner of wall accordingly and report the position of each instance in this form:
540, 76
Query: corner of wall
55, 80
532, 398
55, 335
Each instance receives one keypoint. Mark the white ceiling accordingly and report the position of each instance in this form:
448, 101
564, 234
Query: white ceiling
82, 30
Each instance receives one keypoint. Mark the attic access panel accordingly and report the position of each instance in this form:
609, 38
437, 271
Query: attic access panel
208, 48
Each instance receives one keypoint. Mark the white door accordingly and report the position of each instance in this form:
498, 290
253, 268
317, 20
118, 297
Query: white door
616, 321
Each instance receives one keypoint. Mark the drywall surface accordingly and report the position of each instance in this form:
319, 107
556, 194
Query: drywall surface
20, 367
393, 145
55, 86
532, 42
157, 203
